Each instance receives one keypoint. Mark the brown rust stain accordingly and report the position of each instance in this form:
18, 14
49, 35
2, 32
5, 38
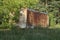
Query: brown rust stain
37, 18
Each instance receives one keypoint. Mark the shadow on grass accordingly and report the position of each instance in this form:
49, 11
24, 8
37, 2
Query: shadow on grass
30, 34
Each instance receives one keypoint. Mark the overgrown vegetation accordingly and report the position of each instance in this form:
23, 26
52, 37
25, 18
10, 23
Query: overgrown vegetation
30, 34
9, 10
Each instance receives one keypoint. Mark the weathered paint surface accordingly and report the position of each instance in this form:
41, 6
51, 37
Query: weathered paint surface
23, 18
30, 18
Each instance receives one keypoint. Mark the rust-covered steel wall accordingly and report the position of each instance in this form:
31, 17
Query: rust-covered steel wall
37, 19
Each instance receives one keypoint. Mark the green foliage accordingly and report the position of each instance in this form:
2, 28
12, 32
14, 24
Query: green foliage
54, 8
52, 20
30, 34
9, 10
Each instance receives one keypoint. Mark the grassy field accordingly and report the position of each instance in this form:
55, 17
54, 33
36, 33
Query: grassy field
30, 34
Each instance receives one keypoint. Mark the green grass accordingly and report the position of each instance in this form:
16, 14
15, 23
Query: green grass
30, 34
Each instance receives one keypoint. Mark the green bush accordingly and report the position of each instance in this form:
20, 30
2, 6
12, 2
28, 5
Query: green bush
9, 10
